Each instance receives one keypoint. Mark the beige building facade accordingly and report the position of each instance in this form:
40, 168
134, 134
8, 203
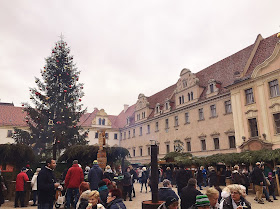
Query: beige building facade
230, 106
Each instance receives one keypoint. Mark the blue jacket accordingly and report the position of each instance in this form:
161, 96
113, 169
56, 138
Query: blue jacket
46, 190
94, 176
165, 192
116, 204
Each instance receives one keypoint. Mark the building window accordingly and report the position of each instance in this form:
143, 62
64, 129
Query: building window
115, 136
176, 121
157, 126
149, 150
213, 110
10, 133
166, 106
183, 99
96, 135
277, 122
216, 143
249, 96
203, 144
103, 122
124, 135
191, 95
133, 152
121, 137
201, 115
211, 88
166, 123
187, 120
106, 136
228, 107
231, 142
133, 132
253, 127
140, 129
274, 88
167, 148
129, 134
180, 100
148, 129
99, 121
189, 148
127, 121
141, 151
157, 109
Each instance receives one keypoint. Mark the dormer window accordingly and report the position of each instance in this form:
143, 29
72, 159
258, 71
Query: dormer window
127, 121
166, 106
211, 88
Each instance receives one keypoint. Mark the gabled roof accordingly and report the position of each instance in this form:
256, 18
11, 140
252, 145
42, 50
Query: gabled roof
264, 51
12, 116
120, 121
86, 119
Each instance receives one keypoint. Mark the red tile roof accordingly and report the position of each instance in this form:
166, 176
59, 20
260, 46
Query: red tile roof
86, 119
12, 116
120, 121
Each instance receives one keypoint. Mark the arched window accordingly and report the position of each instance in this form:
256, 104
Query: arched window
183, 99
99, 121
189, 96
103, 122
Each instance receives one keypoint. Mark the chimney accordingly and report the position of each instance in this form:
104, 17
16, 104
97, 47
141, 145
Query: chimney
125, 107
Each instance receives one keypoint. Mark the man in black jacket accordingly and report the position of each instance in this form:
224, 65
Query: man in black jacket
188, 194
166, 191
182, 178
46, 185
257, 179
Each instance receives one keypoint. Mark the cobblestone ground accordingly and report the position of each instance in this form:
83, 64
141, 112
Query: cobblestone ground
137, 201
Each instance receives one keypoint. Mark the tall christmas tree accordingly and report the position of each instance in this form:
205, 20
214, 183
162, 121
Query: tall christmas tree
53, 122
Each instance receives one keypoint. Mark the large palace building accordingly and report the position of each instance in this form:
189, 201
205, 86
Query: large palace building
230, 106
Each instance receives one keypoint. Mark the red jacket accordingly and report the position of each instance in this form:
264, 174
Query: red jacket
21, 179
74, 177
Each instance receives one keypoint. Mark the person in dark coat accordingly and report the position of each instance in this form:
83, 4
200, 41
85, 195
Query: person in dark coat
189, 193
46, 185
114, 200
271, 187
108, 173
237, 176
2, 188
134, 178
103, 192
144, 178
257, 179
199, 177
212, 177
182, 179
166, 191
29, 172
127, 184
95, 175
168, 173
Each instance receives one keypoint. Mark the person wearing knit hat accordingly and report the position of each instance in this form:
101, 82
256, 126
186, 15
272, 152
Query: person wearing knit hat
201, 202
95, 175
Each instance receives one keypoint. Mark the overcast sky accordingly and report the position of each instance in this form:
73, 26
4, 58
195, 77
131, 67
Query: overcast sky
124, 48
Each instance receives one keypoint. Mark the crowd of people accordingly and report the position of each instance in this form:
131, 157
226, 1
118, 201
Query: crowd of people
94, 188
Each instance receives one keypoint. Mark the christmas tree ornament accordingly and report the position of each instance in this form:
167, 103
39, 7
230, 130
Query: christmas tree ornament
50, 123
